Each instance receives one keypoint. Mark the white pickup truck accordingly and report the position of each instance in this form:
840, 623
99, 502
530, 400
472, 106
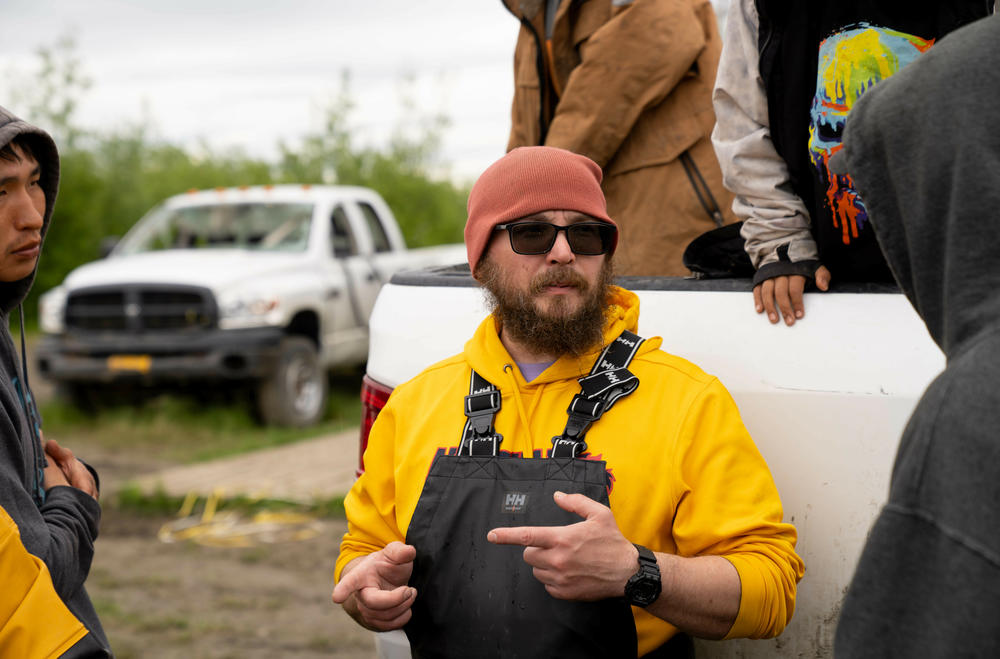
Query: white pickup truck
825, 400
268, 286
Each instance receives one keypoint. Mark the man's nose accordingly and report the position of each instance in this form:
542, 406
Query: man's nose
29, 212
561, 252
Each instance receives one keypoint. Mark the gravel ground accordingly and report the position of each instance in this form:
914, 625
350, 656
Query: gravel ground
183, 599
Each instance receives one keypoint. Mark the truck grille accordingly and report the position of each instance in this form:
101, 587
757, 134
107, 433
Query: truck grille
141, 309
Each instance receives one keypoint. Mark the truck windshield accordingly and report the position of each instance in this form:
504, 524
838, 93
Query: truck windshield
255, 226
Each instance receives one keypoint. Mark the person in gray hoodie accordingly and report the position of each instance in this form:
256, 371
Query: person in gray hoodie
53, 499
924, 150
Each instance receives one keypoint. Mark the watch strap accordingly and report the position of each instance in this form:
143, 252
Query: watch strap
644, 587
646, 556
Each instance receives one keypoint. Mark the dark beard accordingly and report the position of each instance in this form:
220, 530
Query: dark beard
556, 332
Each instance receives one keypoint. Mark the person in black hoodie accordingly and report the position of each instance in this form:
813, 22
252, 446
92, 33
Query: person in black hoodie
789, 75
52, 501
924, 150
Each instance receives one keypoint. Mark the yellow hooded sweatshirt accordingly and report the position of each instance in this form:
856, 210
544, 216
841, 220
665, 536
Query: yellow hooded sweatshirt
685, 476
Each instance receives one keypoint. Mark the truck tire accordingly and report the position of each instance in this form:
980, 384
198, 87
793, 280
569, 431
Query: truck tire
79, 395
295, 393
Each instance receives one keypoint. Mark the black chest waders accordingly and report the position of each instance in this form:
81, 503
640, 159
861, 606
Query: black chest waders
476, 599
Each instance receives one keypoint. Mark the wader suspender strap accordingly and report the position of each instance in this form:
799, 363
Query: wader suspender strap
481, 405
608, 381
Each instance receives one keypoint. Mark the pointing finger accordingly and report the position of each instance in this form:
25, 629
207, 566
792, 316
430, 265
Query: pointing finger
524, 536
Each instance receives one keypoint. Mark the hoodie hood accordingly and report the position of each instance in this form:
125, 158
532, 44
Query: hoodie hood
924, 151
44, 150
488, 356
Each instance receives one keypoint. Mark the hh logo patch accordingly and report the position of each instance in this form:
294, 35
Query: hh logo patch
514, 502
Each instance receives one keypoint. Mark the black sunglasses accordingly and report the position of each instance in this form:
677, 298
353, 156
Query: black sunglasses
585, 238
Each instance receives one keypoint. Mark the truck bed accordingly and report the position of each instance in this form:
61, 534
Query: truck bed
825, 400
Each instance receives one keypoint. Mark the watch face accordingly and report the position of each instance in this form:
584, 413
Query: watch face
644, 586
645, 591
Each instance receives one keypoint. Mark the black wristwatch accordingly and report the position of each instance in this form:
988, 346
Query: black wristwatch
643, 587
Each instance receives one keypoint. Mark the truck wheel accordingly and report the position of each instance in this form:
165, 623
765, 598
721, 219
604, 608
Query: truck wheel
295, 393
79, 395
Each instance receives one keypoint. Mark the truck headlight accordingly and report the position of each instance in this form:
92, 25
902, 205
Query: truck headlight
247, 311
52, 310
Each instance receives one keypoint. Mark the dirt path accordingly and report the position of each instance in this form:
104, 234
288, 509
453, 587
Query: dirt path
159, 600
186, 600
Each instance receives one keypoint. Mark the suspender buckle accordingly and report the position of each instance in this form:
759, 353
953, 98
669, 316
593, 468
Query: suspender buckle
582, 412
481, 439
608, 381
481, 408
483, 402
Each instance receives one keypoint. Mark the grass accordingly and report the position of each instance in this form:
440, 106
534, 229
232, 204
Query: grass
132, 499
194, 426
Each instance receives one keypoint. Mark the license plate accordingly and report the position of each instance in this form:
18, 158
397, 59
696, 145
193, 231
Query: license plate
137, 363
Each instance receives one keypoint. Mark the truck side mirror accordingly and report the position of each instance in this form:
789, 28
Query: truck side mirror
108, 243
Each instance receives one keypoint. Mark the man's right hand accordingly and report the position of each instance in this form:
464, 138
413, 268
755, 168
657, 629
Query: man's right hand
373, 589
75, 473
783, 294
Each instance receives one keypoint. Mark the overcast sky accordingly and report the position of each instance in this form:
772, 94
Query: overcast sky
251, 72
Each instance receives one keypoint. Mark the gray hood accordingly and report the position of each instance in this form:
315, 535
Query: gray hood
44, 149
924, 150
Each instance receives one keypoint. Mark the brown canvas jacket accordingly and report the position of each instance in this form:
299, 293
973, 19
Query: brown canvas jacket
633, 79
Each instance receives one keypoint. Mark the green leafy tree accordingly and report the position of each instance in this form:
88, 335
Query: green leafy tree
430, 210
109, 179
51, 94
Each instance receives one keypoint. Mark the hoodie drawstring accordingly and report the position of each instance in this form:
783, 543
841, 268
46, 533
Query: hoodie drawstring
34, 419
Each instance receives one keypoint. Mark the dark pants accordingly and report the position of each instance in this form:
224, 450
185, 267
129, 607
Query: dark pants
679, 647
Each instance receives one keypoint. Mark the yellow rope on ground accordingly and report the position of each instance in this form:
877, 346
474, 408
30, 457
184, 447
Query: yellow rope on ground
229, 529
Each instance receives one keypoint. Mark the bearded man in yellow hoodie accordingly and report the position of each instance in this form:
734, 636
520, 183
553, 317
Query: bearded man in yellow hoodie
562, 487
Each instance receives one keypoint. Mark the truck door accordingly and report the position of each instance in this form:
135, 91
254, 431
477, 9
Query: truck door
371, 276
352, 289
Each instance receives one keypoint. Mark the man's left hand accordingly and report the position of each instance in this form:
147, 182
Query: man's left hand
586, 561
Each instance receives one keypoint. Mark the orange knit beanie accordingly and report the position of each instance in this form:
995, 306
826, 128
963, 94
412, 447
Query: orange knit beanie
528, 180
